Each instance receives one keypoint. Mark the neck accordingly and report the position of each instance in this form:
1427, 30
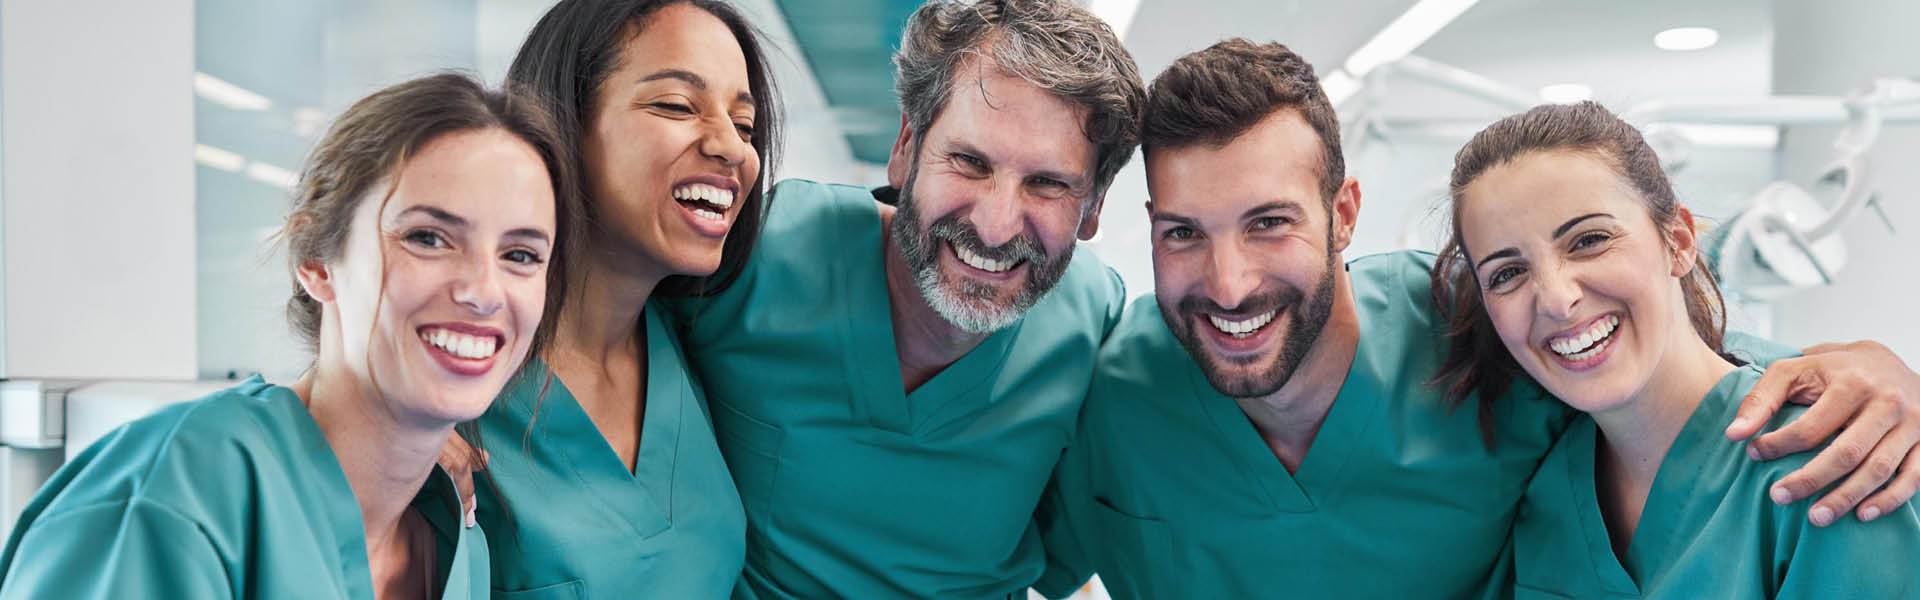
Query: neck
1638, 433
923, 341
1290, 417
387, 458
602, 313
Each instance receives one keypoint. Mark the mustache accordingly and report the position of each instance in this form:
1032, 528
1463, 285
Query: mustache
1258, 303
962, 233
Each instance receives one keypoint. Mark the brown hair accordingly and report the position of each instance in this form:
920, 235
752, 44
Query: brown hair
1476, 362
576, 46
364, 150
1052, 44
1215, 95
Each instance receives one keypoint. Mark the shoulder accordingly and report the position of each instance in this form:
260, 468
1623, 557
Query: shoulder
1089, 290
1395, 284
1141, 353
167, 458
817, 209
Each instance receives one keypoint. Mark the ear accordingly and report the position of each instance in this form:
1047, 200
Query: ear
317, 279
900, 159
1346, 213
1090, 220
1685, 243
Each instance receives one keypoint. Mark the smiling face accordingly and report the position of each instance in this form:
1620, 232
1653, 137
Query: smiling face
668, 146
1583, 287
435, 296
1245, 251
991, 198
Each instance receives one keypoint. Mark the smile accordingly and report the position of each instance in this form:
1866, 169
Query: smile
706, 201
1242, 329
1586, 343
977, 261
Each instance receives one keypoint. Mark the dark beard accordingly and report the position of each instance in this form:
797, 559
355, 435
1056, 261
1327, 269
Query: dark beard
1305, 322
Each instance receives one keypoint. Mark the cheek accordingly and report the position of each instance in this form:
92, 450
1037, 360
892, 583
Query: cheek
527, 301
1512, 317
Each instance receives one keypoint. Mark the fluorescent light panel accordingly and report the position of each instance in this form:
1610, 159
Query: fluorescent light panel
217, 158
1406, 33
218, 91
272, 175
1731, 136
1681, 39
1566, 93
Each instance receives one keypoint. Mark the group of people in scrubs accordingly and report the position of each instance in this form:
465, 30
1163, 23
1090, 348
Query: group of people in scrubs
577, 315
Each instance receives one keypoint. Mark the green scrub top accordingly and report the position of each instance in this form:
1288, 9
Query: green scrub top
236, 495
571, 521
1707, 530
1172, 493
854, 488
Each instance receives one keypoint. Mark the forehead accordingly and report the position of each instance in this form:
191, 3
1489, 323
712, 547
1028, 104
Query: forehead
1279, 158
485, 176
1532, 194
686, 37
1012, 119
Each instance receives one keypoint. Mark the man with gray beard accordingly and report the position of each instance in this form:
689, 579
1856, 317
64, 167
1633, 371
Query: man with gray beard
895, 372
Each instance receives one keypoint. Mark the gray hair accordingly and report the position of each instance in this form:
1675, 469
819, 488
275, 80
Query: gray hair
1052, 44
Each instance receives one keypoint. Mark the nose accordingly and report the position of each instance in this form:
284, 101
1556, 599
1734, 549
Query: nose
722, 143
478, 289
1556, 292
1230, 276
996, 215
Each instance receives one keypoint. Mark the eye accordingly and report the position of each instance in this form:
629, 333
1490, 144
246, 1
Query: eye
1502, 276
427, 238
523, 256
673, 107
746, 131
1264, 223
1180, 233
1589, 240
970, 164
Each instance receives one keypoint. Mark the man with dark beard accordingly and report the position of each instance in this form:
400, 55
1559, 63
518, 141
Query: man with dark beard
1191, 475
896, 372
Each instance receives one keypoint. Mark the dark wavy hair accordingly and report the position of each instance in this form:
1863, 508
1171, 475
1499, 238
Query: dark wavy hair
576, 46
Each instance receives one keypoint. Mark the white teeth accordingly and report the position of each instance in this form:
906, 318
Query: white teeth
704, 193
1587, 343
459, 344
1242, 329
708, 214
980, 262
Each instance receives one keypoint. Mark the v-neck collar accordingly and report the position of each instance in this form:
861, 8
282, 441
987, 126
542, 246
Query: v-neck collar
1323, 473
440, 504
1659, 522
872, 364
565, 425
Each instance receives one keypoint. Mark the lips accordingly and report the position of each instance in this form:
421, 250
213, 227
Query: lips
463, 348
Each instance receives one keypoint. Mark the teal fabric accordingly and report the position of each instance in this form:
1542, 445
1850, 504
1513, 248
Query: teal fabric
236, 495
852, 487
569, 519
1172, 493
1708, 529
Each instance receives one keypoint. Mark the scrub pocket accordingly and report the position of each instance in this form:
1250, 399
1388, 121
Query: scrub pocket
1141, 548
752, 450
570, 590
1522, 592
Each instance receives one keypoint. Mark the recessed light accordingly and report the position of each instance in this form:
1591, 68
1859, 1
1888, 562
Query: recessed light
1566, 93
1681, 39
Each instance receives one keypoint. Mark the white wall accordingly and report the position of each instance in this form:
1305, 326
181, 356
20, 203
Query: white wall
1828, 47
98, 188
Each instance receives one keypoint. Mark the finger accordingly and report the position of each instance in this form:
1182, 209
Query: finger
1764, 399
1872, 474
1840, 406
1847, 452
1897, 493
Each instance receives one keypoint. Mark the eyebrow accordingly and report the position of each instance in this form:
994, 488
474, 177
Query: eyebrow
693, 79
530, 234
1282, 206
1510, 251
453, 220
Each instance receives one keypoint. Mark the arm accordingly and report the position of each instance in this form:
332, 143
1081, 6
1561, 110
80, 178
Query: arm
1866, 402
1854, 560
117, 550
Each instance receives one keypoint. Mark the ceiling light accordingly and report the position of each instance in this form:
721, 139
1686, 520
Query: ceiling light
218, 91
1406, 33
217, 158
1339, 86
1566, 93
272, 175
1681, 39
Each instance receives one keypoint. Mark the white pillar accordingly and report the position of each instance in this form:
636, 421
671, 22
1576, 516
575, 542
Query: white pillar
1829, 47
97, 248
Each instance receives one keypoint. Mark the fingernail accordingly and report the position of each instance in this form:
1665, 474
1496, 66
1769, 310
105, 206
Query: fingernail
1821, 515
1781, 495
1753, 453
1870, 513
1738, 422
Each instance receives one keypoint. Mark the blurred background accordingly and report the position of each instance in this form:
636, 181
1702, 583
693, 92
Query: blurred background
147, 149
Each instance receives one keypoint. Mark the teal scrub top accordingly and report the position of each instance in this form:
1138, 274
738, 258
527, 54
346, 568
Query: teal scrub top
1170, 492
236, 495
1707, 530
854, 488
570, 521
